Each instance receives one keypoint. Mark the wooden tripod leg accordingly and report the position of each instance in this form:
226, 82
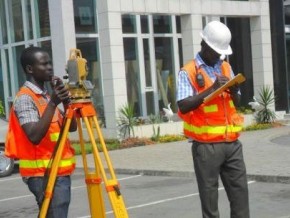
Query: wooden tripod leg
93, 182
53, 170
112, 186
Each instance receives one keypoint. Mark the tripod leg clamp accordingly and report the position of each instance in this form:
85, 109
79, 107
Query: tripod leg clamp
48, 195
93, 180
115, 187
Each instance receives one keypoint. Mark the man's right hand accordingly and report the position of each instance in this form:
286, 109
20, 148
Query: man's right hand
59, 92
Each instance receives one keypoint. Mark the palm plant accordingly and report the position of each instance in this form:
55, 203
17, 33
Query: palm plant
127, 120
266, 99
155, 119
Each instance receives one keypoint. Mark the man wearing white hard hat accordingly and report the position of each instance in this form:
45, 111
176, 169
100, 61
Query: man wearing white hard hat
213, 127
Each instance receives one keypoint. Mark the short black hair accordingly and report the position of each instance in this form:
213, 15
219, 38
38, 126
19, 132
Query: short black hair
28, 56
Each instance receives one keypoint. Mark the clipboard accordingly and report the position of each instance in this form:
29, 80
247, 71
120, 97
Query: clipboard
238, 79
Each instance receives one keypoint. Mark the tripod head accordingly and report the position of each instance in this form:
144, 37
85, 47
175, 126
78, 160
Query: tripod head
77, 71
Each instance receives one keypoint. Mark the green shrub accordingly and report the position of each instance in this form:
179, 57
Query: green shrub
267, 98
127, 121
257, 126
260, 126
171, 138
2, 110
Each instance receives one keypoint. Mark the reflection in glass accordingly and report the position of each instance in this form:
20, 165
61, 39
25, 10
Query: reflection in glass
162, 24
1, 85
85, 16
288, 65
3, 22
15, 7
150, 103
178, 24
144, 24
129, 23
29, 19
132, 74
19, 73
47, 46
147, 63
165, 72
180, 52
43, 15
8, 70
90, 51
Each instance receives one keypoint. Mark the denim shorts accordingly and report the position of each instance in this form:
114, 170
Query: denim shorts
60, 201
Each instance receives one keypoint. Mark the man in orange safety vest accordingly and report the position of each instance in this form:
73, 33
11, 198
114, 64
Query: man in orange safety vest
34, 127
213, 127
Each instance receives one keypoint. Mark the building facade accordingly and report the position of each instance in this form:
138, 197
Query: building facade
134, 48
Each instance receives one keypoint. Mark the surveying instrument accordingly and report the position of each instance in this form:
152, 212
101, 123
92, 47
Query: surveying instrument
82, 108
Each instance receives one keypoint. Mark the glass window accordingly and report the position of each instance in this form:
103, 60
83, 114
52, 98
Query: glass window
132, 73
8, 70
178, 24
144, 24
29, 19
1, 85
90, 51
162, 24
43, 18
47, 46
147, 63
3, 22
129, 23
242, 53
20, 75
287, 14
165, 72
150, 102
288, 65
18, 33
85, 16
180, 52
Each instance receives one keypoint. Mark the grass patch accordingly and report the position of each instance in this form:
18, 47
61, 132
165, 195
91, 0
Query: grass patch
113, 144
260, 126
170, 138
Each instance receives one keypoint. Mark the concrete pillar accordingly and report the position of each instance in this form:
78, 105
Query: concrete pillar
191, 26
261, 49
61, 15
113, 66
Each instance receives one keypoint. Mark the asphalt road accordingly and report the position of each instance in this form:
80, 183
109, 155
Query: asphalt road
148, 196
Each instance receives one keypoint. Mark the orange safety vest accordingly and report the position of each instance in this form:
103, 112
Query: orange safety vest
215, 121
35, 159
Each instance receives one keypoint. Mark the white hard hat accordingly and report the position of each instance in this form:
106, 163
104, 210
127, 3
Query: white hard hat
218, 37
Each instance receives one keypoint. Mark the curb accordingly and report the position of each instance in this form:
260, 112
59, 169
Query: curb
270, 178
186, 174
191, 174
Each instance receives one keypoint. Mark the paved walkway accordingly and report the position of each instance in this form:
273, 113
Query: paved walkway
266, 153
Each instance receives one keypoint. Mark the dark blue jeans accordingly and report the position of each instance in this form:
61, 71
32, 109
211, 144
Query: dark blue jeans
60, 201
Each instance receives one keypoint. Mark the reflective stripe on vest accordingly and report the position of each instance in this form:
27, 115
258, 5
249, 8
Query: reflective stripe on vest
54, 136
34, 164
211, 129
210, 108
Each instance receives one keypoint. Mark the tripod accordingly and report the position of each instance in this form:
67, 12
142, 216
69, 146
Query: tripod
85, 110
